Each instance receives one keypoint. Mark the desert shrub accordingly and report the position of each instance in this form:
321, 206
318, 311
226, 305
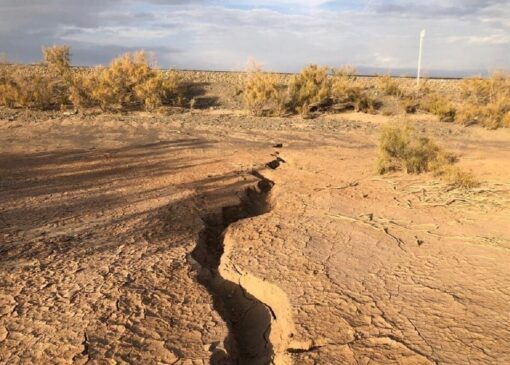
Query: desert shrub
505, 120
9, 88
389, 86
486, 101
58, 58
44, 87
130, 81
458, 178
409, 104
82, 86
264, 94
438, 105
346, 88
310, 87
41, 91
116, 84
402, 148
492, 115
157, 90
58, 73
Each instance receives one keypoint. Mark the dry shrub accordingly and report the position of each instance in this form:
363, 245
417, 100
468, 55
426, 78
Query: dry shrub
44, 87
487, 101
492, 115
310, 87
458, 178
402, 148
346, 88
438, 105
83, 84
264, 94
130, 81
389, 86
409, 104
58, 75
9, 89
58, 58
157, 90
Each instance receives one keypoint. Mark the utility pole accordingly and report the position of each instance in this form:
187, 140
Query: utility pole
422, 36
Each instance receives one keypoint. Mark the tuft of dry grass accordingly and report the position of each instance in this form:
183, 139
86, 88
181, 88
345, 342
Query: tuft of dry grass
264, 94
310, 87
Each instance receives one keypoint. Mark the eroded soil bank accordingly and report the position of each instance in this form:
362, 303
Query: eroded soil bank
128, 239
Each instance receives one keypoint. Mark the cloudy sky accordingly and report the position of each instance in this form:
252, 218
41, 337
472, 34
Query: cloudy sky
283, 35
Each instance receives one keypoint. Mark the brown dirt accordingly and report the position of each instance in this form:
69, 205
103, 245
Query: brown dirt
113, 251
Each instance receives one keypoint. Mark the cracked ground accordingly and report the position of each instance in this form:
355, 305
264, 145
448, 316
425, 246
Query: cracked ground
99, 217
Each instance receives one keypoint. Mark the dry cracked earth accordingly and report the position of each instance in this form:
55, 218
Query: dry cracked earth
219, 238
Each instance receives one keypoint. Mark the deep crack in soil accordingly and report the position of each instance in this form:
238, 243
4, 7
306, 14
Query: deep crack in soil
249, 319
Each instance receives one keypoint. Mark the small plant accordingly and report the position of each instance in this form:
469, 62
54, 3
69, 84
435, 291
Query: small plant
401, 148
264, 94
310, 87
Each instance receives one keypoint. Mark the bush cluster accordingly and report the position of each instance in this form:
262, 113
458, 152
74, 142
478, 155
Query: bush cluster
129, 82
487, 101
314, 88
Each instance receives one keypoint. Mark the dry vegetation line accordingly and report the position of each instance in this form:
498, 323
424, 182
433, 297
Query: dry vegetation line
257, 312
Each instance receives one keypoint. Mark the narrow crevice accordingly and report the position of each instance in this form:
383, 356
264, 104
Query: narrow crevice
249, 320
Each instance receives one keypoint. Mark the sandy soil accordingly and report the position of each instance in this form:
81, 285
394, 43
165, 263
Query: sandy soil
170, 239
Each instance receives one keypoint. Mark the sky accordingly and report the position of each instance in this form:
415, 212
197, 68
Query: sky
282, 35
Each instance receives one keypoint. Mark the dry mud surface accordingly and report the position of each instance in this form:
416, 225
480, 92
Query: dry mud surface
220, 238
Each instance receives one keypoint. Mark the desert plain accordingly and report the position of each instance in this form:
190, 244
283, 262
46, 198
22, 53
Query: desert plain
213, 236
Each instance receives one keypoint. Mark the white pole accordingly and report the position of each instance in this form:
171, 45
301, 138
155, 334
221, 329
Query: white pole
422, 36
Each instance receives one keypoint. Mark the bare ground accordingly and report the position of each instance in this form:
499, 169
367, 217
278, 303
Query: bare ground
113, 251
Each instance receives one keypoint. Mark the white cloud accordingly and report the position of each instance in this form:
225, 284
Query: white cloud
283, 34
